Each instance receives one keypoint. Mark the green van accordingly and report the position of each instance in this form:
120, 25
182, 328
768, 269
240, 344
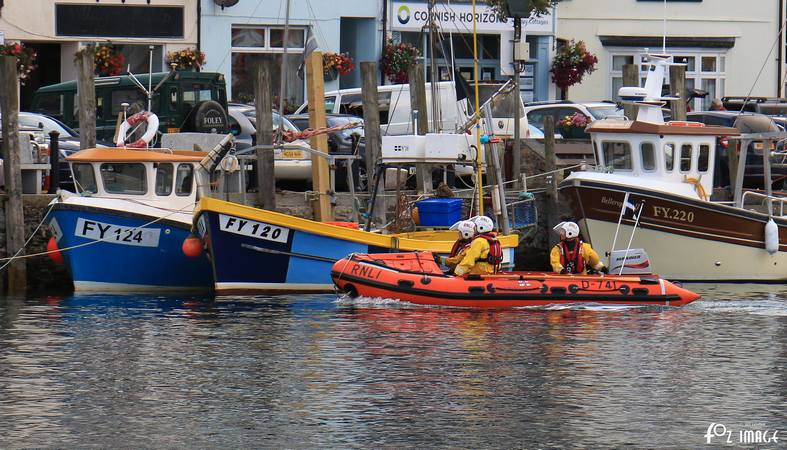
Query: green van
182, 100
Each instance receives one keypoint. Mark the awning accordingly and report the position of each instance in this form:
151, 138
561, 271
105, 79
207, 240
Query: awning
672, 41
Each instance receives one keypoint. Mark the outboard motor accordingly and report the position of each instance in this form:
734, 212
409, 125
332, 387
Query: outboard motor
637, 262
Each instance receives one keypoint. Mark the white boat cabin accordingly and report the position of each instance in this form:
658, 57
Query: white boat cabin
143, 175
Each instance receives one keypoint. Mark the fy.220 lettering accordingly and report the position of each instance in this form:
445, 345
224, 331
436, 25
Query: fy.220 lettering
675, 214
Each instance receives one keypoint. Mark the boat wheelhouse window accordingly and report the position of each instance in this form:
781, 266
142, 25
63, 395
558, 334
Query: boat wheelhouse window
669, 157
124, 178
184, 180
164, 173
702, 162
685, 158
617, 155
648, 153
85, 177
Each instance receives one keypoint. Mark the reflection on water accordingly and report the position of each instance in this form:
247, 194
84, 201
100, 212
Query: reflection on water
314, 371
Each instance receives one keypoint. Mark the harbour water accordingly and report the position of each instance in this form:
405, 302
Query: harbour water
317, 372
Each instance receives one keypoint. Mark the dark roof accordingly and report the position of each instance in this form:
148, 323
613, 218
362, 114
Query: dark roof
125, 80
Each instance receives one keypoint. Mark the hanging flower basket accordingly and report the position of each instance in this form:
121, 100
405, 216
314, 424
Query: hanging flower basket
573, 126
336, 64
186, 59
25, 59
397, 59
108, 61
571, 64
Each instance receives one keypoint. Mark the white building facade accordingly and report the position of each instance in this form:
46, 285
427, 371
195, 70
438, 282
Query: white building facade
56, 29
730, 47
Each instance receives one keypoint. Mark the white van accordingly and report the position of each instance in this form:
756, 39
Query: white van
395, 109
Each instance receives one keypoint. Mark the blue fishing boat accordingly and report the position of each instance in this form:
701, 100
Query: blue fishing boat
125, 230
255, 251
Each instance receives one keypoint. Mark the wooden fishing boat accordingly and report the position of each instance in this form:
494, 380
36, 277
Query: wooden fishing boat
416, 278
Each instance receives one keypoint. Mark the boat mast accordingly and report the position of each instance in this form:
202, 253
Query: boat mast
436, 115
479, 182
283, 85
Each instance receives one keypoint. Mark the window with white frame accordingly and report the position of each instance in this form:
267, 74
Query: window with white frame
704, 70
253, 45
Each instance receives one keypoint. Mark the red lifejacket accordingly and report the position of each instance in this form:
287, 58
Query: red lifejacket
572, 261
459, 245
495, 256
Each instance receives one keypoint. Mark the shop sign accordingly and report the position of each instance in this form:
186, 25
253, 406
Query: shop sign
412, 16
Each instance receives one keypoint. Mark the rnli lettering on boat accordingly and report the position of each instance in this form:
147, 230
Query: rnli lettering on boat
117, 234
366, 272
252, 228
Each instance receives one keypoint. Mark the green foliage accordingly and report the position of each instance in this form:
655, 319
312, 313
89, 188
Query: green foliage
538, 7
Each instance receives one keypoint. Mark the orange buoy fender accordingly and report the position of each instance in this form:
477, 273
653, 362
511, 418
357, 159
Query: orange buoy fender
54, 251
192, 246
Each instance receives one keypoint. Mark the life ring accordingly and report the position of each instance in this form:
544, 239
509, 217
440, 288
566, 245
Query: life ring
150, 132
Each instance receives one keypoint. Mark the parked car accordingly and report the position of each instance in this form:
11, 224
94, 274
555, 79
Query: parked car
68, 141
537, 111
745, 123
762, 105
290, 164
344, 142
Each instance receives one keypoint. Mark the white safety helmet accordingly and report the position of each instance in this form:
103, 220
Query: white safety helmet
483, 224
465, 228
571, 229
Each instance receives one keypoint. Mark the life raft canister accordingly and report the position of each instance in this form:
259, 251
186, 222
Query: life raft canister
572, 261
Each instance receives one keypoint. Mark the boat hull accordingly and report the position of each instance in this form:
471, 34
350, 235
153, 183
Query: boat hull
686, 239
254, 251
380, 276
127, 257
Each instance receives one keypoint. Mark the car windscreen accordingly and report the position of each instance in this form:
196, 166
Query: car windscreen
600, 112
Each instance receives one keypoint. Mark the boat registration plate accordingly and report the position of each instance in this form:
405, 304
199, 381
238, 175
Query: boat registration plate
252, 228
292, 154
117, 234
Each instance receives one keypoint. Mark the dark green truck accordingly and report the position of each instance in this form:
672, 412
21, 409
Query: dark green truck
184, 101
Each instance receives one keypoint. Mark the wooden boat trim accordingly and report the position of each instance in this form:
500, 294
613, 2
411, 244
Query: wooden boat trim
638, 127
135, 155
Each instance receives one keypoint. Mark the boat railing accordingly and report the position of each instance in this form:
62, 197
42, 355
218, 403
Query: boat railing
766, 201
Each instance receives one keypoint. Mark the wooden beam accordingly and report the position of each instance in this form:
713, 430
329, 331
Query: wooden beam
423, 172
550, 164
266, 177
677, 82
371, 119
86, 93
630, 79
12, 170
315, 91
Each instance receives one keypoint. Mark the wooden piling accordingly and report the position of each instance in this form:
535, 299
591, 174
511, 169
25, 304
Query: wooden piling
54, 162
630, 79
86, 93
12, 170
516, 157
315, 90
266, 177
550, 165
423, 172
371, 120
677, 82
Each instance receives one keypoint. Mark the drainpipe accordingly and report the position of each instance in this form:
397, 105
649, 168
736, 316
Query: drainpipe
780, 57
385, 38
199, 26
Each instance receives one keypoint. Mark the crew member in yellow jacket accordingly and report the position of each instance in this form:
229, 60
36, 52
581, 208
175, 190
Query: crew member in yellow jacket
466, 230
571, 255
484, 255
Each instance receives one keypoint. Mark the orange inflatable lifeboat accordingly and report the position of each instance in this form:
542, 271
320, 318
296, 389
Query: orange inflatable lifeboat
416, 278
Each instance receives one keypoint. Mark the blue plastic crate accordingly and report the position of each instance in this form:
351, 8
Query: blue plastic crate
439, 212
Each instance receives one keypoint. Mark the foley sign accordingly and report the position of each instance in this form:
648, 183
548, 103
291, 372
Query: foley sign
411, 16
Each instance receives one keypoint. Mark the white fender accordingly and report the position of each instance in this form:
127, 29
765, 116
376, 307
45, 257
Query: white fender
150, 132
771, 237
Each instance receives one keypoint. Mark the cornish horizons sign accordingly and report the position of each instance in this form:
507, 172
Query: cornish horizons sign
412, 16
